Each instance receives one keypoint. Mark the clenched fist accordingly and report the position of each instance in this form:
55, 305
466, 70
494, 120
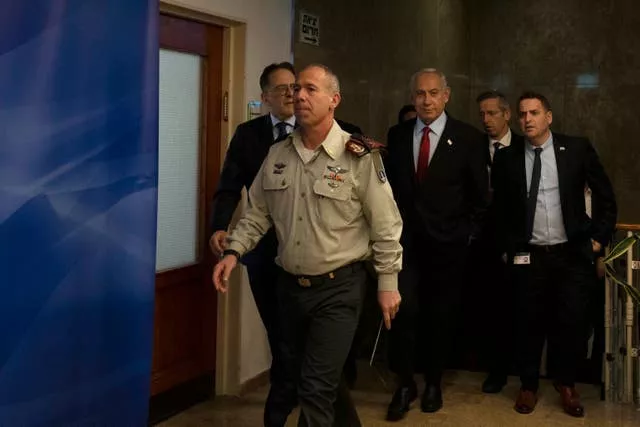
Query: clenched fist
218, 242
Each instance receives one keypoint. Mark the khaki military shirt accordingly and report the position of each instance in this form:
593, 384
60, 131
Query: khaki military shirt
329, 208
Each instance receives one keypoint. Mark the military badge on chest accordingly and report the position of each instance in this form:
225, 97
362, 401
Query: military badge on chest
278, 168
335, 177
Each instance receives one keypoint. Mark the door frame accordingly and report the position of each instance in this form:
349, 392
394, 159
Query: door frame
227, 338
205, 41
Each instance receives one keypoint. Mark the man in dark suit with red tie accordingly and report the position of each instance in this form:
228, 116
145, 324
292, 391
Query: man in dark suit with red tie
437, 167
550, 244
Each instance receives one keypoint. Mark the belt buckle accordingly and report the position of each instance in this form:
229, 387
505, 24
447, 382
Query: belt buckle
304, 282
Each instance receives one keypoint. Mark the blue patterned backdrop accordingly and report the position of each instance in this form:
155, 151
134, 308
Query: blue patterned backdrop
78, 180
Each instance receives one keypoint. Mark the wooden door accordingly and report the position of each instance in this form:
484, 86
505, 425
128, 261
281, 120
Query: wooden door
189, 158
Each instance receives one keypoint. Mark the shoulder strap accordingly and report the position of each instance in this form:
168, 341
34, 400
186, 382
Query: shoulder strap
360, 145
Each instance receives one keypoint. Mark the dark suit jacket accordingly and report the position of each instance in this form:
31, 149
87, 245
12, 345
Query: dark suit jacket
578, 165
248, 149
515, 138
450, 204
492, 225
348, 127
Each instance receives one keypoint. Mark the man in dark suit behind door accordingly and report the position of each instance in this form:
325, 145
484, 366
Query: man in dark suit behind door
247, 150
437, 167
550, 243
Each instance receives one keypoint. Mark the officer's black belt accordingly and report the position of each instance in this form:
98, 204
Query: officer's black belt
340, 273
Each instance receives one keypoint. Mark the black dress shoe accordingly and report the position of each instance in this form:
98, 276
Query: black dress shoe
431, 399
401, 402
494, 384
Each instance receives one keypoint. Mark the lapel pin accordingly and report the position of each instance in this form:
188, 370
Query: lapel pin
562, 148
449, 142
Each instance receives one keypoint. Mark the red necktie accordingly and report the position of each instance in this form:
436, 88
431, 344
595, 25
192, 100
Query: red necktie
423, 157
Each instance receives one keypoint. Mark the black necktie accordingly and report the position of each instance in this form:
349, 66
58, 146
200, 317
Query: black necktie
496, 147
533, 192
282, 131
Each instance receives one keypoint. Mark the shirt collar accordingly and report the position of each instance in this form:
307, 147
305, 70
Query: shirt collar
333, 144
505, 141
548, 143
290, 121
437, 126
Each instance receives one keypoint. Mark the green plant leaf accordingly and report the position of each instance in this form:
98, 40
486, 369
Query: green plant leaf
621, 248
629, 290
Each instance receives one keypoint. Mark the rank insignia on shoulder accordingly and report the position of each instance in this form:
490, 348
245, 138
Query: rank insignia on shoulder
359, 145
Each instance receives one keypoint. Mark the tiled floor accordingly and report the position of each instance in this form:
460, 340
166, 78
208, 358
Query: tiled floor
464, 406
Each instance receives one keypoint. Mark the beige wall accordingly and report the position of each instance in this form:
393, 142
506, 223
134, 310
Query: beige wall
260, 31
268, 29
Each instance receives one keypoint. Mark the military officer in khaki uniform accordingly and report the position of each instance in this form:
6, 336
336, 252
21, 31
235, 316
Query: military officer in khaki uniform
327, 196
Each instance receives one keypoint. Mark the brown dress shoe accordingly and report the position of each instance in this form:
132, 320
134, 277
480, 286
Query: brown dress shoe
570, 401
526, 402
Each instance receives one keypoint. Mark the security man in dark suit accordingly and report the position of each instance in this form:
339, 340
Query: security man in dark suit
437, 167
247, 150
490, 290
550, 243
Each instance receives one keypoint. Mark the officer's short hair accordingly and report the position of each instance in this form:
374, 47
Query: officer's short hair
334, 82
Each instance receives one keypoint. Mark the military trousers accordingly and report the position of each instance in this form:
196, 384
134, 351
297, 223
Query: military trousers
319, 316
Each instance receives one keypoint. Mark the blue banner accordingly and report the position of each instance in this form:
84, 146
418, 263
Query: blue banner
78, 181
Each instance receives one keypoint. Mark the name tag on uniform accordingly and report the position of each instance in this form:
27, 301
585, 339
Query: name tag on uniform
522, 258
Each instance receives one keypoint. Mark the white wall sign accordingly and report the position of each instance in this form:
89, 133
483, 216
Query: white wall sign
309, 29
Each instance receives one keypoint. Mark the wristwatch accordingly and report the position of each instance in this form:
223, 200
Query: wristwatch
231, 252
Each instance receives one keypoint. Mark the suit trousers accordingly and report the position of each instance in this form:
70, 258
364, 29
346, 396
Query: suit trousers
422, 334
263, 276
318, 326
489, 308
552, 301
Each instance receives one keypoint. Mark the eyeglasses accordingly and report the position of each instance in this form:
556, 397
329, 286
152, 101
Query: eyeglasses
283, 89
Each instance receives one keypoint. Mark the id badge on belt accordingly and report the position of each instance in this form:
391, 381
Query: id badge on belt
522, 258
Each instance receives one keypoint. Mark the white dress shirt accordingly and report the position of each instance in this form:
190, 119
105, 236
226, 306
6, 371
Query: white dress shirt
291, 124
548, 223
505, 141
